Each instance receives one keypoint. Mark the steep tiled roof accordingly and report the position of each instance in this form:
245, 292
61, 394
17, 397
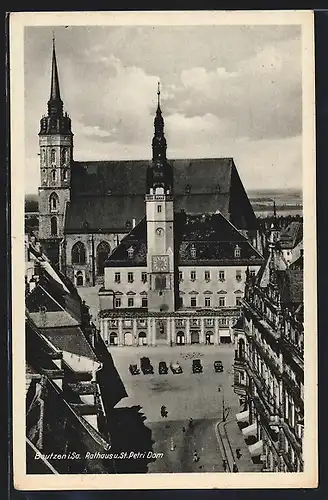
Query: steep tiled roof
212, 237
70, 340
290, 283
108, 194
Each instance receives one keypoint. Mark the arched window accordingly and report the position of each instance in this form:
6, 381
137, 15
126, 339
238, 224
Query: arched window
64, 156
53, 175
54, 226
237, 252
160, 282
103, 251
43, 155
79, 278
193, 252
159, 190
78, 253
65, 174
53, 202
53, 156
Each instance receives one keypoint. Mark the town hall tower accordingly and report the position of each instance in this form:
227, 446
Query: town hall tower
160, 219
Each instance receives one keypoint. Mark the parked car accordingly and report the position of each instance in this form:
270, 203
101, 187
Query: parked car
146, 366
176, 367
197, 366
134, 370
162, 368
218, 366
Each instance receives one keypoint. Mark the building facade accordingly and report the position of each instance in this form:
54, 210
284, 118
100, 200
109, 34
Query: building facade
176, 278
269, 365
87, 208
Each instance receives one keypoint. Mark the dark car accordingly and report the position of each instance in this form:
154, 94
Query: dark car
176, 367
197, 366
146, 366
162, 368
134, 370
218, 366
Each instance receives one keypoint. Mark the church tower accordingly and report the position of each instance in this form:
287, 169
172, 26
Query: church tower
159, 215
56, 156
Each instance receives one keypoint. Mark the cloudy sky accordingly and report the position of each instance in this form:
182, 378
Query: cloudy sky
226, 91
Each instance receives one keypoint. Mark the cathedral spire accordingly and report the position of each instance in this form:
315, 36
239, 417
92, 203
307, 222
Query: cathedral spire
55, 104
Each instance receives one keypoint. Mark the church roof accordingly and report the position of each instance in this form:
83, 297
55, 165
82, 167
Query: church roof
201, 240
107, 194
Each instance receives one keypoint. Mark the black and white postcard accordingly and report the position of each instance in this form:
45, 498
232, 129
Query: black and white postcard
164, 250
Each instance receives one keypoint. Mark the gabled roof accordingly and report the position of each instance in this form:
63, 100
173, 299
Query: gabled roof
212, 237
108, 194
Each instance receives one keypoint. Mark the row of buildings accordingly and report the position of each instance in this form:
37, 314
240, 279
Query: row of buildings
269, 360
72, 385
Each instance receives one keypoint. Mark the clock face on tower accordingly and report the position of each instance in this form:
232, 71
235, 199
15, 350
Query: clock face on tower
160, 231
160, 263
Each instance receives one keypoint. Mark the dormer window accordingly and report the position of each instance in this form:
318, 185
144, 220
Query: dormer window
193, 252
128, 224
188, 188
237, 252
130, 252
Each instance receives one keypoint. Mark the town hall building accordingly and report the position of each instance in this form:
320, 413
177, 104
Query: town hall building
89, 210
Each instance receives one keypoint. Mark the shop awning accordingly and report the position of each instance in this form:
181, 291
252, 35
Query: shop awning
256, 448
243, 416
250, 430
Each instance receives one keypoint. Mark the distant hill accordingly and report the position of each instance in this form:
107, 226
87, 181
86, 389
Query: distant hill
31, 203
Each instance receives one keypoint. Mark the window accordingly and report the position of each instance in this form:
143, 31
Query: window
159, 209
238, 301
237, 252
179, 323
207, 301
78, 253
53, 202
117, 278
160, 282
180, 276
64, 155
53, 156
193, 301
193, 275
102, 253
221, 301
193, 252
207, 275
54, 226
252, 272
221, 275
144, 277
238, 275
130, 302
144, 302
209, 322
65, 174
118, 302
53, 175
130, 278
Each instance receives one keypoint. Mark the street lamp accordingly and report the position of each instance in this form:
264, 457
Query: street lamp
224, 408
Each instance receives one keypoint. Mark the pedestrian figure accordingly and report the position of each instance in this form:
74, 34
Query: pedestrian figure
238, 453
196, 457
183, 429
224, 464
234, 467
190, 423
163, 411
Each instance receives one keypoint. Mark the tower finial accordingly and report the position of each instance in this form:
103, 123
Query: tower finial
274, 209
158, 93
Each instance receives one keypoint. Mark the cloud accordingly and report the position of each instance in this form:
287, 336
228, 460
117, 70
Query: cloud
226, 91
